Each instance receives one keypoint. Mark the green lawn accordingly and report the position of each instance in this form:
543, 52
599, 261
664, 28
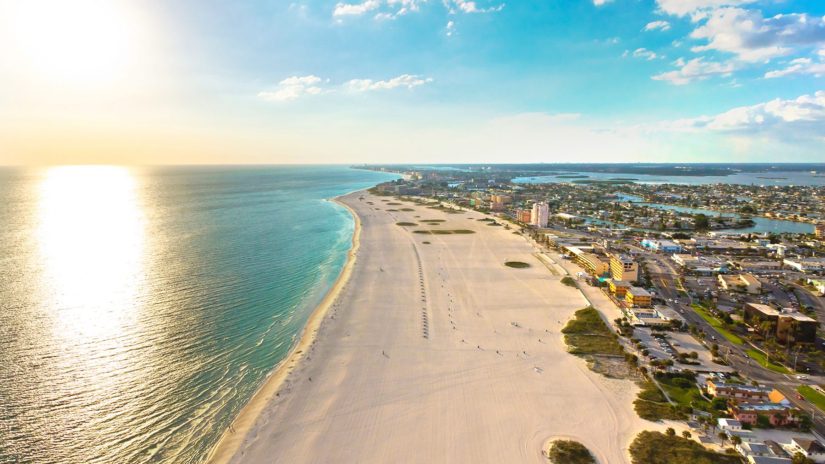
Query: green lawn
760, 357
813, 396
718, 325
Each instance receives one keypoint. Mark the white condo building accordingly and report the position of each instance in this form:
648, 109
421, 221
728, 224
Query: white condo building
540, 215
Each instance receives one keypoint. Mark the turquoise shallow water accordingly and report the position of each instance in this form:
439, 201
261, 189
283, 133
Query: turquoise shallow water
141, 308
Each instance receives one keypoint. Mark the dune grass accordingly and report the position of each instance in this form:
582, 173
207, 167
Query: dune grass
444, 231
658, 448
569, 452
406, 224
587, 334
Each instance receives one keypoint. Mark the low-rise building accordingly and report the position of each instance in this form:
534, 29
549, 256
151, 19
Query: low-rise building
736, 391
778, 415
805, 264
788, 324
819, 231
618, 287
740, 283
637, 296
665, 246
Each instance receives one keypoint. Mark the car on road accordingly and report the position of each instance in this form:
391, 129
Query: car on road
802, 377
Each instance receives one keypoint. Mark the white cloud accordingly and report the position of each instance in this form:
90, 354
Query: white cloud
801, 66
644, 54
391, 8
801, 116
601, 2
686, 7
468, 6
657, 25
296, 87
753, 38
696, 69
355, 9
292, 88
450, 29
405, 80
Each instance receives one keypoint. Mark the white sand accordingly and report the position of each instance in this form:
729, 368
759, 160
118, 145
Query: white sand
382, 392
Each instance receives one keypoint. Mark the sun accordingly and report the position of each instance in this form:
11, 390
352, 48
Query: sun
86, 41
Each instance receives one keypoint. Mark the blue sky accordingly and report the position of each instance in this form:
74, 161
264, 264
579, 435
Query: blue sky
438, 80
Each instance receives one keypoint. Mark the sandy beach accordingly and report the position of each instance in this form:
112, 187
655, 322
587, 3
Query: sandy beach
435, 352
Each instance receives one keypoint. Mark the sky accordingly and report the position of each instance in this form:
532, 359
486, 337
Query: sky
392, 81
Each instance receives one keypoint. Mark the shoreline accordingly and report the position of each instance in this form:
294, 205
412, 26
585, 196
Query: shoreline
230, 441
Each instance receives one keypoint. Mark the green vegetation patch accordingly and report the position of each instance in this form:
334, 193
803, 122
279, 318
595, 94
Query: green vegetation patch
587, 334
407, 209
569, 452
406, 224
426, 243
392, 210
718, 325
760, 357
813, 395
652, 405
569, 281
516, 264
659, 448
434, 220
393, 203
444, 231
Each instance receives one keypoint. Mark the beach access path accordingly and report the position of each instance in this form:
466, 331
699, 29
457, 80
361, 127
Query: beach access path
438, 352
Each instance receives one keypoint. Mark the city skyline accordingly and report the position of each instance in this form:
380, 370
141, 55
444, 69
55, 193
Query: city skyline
401, 81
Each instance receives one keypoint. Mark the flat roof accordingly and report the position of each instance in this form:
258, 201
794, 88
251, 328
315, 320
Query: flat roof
639, 291
764, 309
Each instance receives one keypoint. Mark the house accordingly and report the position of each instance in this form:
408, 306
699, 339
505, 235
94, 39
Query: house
768, 460
726, 424
746, 436
811, 449
753, 449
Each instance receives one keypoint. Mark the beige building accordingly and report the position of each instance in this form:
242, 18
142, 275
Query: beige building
637, 296
740, 283
540, 214
623, 268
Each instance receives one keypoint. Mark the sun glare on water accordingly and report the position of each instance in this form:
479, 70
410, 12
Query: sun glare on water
91, 240
77, 41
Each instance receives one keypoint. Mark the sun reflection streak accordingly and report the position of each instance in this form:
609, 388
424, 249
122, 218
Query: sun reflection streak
91, 239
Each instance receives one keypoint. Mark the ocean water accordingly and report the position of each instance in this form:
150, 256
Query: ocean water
140, 308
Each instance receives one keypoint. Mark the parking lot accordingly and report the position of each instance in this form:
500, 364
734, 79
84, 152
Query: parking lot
667, 345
